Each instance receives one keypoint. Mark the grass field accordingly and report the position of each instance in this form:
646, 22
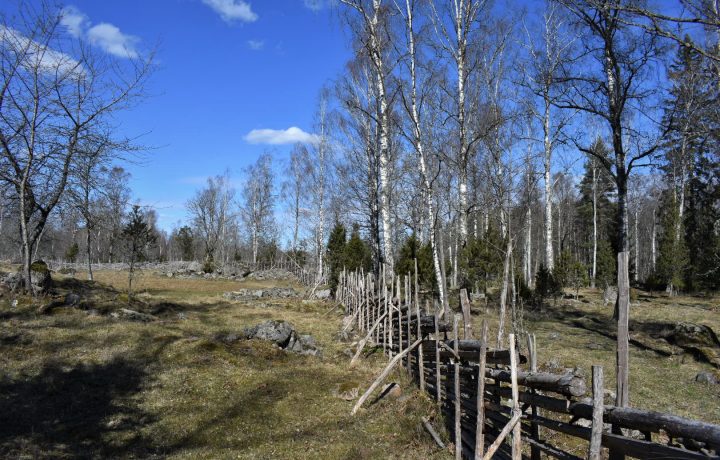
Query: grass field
89, 386
75, 385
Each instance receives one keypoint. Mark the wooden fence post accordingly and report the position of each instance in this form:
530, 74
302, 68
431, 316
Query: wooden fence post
516, 432
437, 359
420, 354
595, 449
467, 319
456, 381
622, 360
534, 429
480, 398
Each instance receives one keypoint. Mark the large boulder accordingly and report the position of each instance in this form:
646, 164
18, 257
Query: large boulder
697, 339
272, 330
322, 294
195, 267
12, 281
283, 335
40, 277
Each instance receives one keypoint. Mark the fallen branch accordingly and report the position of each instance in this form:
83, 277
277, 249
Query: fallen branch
384, 374
433, 433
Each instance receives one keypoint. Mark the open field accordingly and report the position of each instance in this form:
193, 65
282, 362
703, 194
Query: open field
75, 385
79, 385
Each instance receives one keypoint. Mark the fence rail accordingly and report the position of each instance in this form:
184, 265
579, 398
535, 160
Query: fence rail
538, 408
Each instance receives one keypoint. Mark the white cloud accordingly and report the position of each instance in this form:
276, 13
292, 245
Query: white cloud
40, 56
74, 21
256, 45
111, 40
279, 136
230, 10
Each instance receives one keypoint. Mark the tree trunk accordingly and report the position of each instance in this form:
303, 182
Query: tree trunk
595, 230
549, 259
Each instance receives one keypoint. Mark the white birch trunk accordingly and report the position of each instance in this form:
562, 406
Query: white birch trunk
549, 259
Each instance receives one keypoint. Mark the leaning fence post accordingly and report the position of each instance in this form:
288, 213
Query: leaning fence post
595, 448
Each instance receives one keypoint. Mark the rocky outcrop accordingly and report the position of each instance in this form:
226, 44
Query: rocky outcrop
282, 334
250, 294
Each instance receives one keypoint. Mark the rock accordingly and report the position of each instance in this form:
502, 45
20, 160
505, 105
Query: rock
475, 296
72, 299
132, 315
707, 378
249, 294
322, 294
195, 267
12, 281
282, 334
609, 295
391, 390
690, 334
40, 277
278, 332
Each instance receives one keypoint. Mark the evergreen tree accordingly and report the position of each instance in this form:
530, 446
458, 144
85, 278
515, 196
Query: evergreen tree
604, 188
357, 253
673, 259
186, 243
138, 235
481, 260
336, 254
410, 250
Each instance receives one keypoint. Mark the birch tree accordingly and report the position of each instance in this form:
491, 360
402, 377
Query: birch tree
257, 205
417, 139
372, 33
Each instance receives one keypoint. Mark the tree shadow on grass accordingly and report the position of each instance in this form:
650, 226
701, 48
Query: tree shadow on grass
82, 412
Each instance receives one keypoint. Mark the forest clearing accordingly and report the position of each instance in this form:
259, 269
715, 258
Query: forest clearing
176, 387
475, 229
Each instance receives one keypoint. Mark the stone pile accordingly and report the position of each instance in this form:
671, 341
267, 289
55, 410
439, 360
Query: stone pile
250, 294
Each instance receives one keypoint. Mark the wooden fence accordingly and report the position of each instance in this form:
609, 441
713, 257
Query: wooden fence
522, 413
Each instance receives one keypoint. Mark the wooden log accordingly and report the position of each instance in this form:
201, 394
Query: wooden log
567, 384
433, 433
480, 393
623, 445
644, 420
383, 375
595, 448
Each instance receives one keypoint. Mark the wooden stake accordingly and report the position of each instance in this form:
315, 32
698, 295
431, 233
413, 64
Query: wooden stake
480, 408
456, 381
467, 318
516, 440
383, 375
364, 341
534, 429
437, 360
420, 354
595, 449
501, 437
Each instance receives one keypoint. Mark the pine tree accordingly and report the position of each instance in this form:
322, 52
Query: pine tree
357, 254
410, 250
336, 254
139, 235
673, 260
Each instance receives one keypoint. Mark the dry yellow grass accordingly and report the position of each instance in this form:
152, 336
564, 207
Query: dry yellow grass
74, 385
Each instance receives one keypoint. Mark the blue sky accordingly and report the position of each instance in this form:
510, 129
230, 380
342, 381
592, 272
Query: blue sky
225, 68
